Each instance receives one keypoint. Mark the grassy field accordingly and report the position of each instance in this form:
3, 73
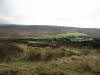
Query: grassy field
51, 36
19, 58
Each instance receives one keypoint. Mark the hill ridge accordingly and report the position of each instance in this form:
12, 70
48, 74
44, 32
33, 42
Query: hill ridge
34, 30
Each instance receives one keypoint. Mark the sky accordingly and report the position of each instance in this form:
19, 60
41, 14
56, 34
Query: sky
74, 13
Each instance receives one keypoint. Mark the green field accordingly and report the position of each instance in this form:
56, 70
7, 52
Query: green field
65, 35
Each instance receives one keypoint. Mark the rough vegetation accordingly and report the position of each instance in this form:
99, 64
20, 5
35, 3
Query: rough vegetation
18, 57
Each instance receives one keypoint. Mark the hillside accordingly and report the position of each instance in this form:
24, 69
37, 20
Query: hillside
35, 30
49, 54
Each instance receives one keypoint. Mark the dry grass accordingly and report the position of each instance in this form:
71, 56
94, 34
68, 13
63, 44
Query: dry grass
92, 64
37, 55
33, 55
13, 72
47, 70
49, 55
47, 61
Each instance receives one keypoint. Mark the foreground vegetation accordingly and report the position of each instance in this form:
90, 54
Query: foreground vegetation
18, 57
70, 66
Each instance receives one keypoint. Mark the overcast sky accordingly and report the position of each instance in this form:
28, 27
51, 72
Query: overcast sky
76, 13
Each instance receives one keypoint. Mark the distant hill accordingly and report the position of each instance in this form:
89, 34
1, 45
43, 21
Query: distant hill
35, 30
